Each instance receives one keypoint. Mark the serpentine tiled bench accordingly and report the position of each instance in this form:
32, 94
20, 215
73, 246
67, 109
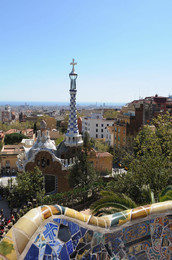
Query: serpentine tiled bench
55, 232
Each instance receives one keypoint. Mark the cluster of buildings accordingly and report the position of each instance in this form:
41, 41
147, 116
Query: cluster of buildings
55, 161
129, 120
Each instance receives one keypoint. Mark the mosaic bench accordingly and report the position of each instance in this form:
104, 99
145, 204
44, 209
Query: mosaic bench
55, 232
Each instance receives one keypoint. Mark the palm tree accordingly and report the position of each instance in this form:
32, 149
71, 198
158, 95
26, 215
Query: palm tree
111, 202
166, 194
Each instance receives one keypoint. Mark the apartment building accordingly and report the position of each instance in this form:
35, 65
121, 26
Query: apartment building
96, 125
135, 115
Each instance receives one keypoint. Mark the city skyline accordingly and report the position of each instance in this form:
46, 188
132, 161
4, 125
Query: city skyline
122, 50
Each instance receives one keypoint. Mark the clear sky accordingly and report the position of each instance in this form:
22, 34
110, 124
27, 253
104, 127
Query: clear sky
123, 49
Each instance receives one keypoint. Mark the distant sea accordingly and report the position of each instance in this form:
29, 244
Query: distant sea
47, 103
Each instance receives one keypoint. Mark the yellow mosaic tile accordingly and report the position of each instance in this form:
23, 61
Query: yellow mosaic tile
7, 249
54, 210
35, 216
9, 233
137, 213
93, 221
21, 240
127, 214
70, 213
107, 219
101, 222
46, 212
148, 209
27, 226
81, 216
161, 207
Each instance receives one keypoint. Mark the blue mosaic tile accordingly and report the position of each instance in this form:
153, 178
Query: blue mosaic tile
47, 257
48, 250
83, 231
96, 249
57, 220
64, 234
64, 254
33, 253
75, 243
69, 247
50, 231
74, 228
64, 222
54, 243
77, 236
146, 240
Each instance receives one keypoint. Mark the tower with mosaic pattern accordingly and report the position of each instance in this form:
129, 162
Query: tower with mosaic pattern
72, 137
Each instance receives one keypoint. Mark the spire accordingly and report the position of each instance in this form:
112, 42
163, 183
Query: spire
73, 63
72, 137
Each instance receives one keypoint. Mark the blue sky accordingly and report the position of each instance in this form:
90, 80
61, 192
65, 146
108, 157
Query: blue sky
123, 49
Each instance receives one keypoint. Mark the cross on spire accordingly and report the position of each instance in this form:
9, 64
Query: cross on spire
73, 63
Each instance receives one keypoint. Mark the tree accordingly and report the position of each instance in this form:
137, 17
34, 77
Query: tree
14, 138
111, 202
59, 140
35, 129
149, 163
29, 186
83, 172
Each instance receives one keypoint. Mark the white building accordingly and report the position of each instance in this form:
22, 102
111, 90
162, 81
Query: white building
96, 125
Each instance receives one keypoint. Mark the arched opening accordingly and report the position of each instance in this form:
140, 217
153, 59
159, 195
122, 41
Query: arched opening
50, 184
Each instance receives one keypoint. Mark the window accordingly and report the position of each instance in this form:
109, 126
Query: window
43, 162
124, 131
107, 124
101, 136
96, 135
50, 183
38, 162
7, 164
102, 125
96, 130
119, 130
97, 125
102, 130
115, 129
118, 138
48, 162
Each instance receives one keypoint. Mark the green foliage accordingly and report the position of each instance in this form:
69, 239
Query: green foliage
149, 162
82, 173
14, 138
59, 140
100, 145
113, 201
16, 125
86, 142
29, 186
148, 194
5, 248
1, 145
166, 194
110, 114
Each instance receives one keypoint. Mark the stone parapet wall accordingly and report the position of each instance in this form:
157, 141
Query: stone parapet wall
55, 232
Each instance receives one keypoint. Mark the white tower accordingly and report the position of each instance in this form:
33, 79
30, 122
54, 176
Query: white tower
72, 137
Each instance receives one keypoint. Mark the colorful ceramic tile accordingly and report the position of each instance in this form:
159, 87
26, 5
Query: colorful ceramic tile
46, 212
63, 238
50, 231
27, 226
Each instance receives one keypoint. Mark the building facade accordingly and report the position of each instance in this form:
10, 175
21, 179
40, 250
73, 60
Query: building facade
96, 125
134, 116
